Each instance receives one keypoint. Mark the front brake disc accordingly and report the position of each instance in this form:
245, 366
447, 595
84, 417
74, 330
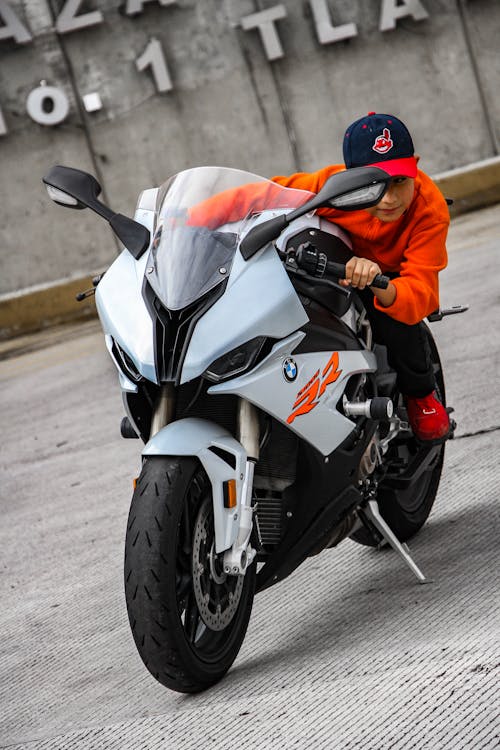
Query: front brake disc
217, 594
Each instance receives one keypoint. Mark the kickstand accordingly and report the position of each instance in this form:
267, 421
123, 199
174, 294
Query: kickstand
371, 510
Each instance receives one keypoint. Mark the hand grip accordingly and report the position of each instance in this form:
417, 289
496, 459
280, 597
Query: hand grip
338, 269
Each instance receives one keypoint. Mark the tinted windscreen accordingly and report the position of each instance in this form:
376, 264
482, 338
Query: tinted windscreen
196, 260
200, 214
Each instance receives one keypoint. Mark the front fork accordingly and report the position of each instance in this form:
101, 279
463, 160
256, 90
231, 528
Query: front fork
164, 409
241, 555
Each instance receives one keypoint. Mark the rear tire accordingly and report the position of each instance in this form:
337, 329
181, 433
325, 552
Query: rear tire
187, 617
407, 510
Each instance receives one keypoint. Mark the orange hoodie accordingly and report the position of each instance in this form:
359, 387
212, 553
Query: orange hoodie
412, 246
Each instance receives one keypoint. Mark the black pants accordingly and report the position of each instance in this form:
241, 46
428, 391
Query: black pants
408, 350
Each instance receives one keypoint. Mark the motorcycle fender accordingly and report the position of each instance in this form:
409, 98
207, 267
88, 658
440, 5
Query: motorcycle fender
222, 457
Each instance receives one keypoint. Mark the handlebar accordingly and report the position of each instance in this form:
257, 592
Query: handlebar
316, 264
89, 292
338, 269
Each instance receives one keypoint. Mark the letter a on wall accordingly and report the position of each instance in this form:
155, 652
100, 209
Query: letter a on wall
393, 10
11, 27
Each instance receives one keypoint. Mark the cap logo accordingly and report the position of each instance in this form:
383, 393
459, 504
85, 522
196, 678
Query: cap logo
383, 143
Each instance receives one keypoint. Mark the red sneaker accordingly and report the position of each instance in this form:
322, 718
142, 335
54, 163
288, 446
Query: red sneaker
428, 417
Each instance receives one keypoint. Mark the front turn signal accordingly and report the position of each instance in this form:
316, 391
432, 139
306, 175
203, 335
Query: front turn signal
229, 492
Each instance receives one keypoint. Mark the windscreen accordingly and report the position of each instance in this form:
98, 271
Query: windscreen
200, 215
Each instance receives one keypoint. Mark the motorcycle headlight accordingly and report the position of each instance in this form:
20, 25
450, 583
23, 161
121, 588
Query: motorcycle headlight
236, 361
126, 364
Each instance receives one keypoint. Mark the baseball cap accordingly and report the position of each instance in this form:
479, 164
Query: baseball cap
380, 141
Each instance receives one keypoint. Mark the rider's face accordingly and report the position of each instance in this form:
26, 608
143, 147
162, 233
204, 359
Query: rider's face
396, 200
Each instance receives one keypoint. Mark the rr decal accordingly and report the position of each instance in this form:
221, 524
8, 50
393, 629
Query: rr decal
309, 396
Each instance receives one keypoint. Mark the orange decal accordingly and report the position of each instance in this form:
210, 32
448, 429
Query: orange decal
308, 397
331, 372
306, 401
308, 384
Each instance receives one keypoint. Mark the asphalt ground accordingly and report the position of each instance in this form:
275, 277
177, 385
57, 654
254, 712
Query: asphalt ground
349, 652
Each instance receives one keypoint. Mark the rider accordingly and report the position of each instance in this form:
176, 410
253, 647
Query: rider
404, 237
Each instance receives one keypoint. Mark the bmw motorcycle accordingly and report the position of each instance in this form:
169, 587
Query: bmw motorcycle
272, 423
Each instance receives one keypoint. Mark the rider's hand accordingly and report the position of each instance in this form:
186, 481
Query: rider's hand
359, 272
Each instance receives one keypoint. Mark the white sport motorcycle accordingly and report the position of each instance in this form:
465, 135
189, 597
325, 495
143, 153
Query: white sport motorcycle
272, 423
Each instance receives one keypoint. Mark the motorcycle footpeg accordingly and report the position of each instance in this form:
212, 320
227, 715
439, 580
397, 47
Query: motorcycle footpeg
439, 314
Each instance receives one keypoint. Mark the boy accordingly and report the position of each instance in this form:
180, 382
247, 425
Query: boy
404, 237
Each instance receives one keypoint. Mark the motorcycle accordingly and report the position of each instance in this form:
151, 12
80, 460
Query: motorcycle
272, 422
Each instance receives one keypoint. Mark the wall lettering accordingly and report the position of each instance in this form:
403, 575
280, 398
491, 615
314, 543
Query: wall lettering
47, 105
154, 58
265, 23
12, 27
134, 7
326, 31
68, 20
393, 11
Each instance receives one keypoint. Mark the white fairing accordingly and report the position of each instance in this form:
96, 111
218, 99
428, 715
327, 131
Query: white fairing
259, 301
120, 303
321, 425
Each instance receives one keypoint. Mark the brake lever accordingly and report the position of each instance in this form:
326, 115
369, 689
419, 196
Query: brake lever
292, 269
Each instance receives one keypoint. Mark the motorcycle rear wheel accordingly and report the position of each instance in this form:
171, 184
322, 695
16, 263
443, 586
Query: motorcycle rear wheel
406, 510
187, 617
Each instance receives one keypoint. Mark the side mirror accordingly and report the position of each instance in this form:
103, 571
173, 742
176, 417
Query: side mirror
364, 197
77, 189
351, 190
354, 189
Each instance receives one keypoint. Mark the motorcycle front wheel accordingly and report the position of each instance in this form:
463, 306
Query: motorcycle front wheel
187, 617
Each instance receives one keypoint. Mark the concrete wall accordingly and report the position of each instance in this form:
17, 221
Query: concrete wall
227, 103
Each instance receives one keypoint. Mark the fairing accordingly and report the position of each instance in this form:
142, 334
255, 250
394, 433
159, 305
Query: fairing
308, 404
120, 304
259, 301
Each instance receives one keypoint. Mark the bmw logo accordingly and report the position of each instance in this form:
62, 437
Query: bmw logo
290, 370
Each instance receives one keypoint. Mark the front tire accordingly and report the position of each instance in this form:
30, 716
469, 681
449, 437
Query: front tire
187, 617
